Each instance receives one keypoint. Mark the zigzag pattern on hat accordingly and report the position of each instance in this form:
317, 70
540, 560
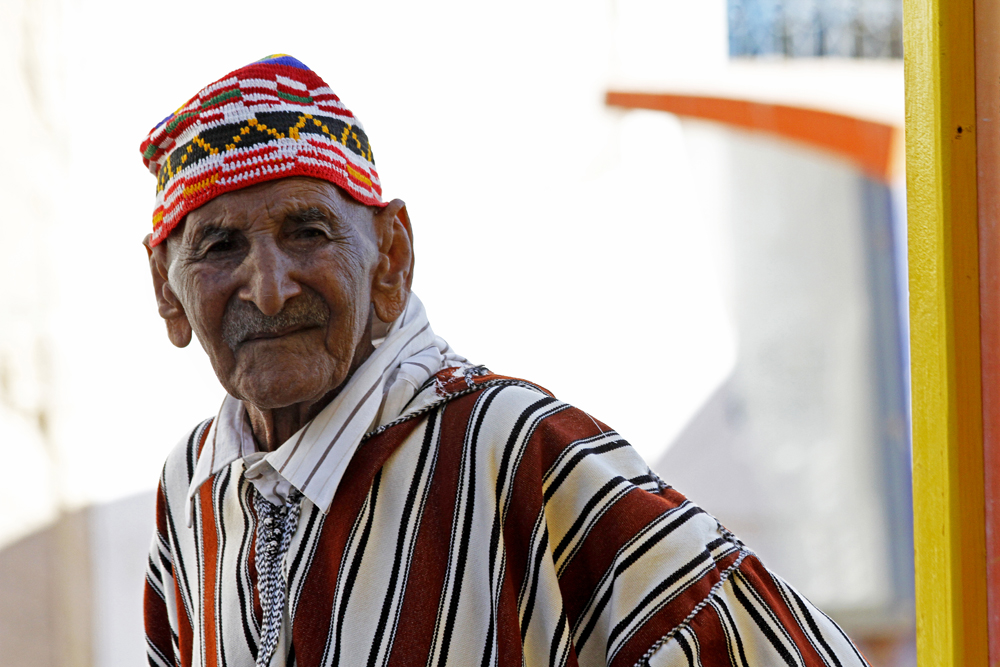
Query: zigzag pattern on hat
271, 119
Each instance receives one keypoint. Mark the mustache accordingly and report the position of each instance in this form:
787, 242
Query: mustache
243, 320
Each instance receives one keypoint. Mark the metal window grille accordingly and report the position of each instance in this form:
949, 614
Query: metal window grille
816, 28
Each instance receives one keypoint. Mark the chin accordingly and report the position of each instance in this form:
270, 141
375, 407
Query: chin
275, 385
275, 397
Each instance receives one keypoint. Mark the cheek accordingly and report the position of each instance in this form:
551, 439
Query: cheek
347, 291
205, 298
346, 330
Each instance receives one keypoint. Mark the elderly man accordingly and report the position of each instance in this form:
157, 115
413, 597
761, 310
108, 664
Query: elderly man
364, 495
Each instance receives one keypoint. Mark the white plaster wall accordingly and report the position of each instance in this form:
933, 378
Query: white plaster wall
32, 172
787, 452
120, 535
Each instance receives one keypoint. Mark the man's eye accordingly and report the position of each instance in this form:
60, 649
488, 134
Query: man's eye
310, 233
224, 245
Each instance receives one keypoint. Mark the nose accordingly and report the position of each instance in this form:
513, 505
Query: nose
269, 281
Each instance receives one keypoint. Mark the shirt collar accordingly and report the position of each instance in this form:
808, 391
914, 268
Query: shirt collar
314, 459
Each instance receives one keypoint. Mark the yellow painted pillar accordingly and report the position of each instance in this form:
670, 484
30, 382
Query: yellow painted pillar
948, 489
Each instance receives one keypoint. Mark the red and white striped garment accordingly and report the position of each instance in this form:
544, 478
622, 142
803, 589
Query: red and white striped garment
496, 525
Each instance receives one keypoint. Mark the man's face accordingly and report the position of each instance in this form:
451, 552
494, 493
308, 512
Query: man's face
276, 282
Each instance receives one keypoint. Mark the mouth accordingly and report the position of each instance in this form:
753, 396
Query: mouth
278, 333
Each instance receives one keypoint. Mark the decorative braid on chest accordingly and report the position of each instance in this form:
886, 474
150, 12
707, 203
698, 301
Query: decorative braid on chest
276, 525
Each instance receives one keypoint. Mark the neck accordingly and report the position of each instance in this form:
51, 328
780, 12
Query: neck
272, 427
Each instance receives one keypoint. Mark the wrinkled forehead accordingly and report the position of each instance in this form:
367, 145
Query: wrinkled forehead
297, 199
271, 206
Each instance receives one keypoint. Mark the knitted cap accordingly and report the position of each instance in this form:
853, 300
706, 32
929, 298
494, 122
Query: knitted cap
271, 119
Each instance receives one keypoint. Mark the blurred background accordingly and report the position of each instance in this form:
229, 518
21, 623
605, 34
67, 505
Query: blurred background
684, 217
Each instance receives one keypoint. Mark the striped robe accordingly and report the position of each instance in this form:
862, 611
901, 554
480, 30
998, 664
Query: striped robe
495, 526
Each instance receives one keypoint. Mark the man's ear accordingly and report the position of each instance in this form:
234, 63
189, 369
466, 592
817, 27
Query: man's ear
394, 271
171, 310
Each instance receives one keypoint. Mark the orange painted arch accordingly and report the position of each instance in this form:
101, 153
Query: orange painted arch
866, 143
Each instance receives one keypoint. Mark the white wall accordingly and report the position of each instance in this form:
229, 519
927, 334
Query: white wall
790, 453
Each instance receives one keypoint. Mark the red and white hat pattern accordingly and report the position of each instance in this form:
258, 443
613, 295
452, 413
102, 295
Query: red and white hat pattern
271, 119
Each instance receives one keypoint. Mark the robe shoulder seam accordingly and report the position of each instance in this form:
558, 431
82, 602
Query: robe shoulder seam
450, 396
723, 578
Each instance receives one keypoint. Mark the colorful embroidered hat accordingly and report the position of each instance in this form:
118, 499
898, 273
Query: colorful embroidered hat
271, 119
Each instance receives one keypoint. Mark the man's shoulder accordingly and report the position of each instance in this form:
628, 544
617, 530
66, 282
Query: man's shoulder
461, 380
497, 406
473, 389
180, 463
469, 394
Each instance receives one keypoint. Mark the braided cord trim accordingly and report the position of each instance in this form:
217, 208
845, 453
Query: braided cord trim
436, 404
276, 524
644, 660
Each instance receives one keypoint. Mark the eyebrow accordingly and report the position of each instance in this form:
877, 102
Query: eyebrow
311, 214
209, 231
298, 216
